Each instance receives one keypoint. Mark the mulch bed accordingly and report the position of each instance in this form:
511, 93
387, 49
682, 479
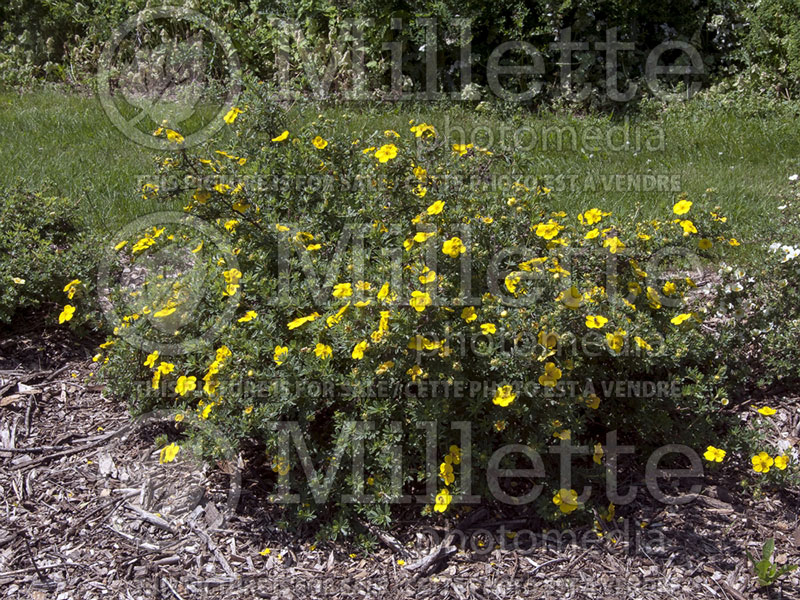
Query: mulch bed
89, 512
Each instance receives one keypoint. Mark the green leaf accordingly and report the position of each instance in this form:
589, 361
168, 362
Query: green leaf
769, 548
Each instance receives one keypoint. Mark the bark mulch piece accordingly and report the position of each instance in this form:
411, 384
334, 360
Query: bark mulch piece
88, 512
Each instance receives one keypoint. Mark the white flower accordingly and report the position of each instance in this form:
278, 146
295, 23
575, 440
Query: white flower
794, 177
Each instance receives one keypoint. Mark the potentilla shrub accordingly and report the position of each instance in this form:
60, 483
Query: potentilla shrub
46, 257
419, 300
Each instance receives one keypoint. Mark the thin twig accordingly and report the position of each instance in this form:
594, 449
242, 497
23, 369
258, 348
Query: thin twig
33, 560
172, 589
544, 564
37, 461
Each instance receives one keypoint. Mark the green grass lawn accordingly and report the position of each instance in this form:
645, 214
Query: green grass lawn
66, 142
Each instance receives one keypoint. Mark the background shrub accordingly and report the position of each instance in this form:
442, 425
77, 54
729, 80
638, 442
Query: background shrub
43, 246
756, 42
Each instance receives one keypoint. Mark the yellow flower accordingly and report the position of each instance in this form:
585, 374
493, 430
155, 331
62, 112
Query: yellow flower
511, 281
548, 339
669, 288
319, 143
596, 321
733, 242
593, 401
678, 319
168, 453
231, 115
469, 314
762, 462
598, 454
300, 321
571, 298
185, 384
222, 353
642, 343
704, 244
358, 350
164, 312
566, 500
323, 351
70, 288
613, 244
165, 368
682, 207
174, 136
504, 395
455, 452
446, 472
342, 290
265, 551
66, 313
453, 247
616, 340
279, 356
592, 234
767, 411
713, 454
419, 300
151, 359
688, 227
427, 277
443, 501
386, 153
423, 129
488, 328
383, 292
282, 136
653, 299
281, 467
248, 316
422, 236
551, 375
384, 367
591, 216
781, 462
435, 208
548, 230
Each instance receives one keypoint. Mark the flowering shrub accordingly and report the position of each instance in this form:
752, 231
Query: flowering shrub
427, 290
763, 300
40, 241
